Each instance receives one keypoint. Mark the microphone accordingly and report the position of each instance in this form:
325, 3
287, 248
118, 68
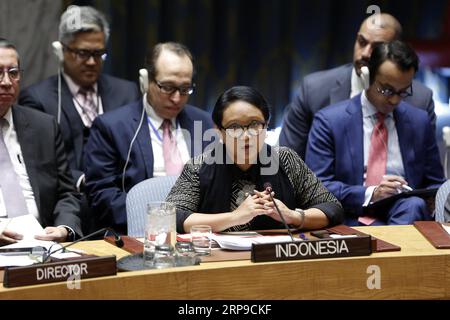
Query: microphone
268, 188
117, 240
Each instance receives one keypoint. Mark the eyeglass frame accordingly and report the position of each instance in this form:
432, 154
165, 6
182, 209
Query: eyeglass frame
81, 53
402, 93
170, 89
246, 128
12, 78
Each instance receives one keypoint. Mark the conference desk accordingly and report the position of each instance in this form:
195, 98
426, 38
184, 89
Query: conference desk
418, 271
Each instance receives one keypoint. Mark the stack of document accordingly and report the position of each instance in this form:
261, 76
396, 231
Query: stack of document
28, 227
244, 242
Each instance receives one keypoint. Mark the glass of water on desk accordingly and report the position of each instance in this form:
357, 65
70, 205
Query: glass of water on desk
160, 229
201, 239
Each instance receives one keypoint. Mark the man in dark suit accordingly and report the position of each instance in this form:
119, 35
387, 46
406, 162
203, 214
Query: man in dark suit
82, 44
80, 92
35, 176
152, 137
321, 89
374, 145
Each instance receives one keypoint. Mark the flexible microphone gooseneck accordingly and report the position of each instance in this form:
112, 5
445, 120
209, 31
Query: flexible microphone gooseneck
117, 240
268, 188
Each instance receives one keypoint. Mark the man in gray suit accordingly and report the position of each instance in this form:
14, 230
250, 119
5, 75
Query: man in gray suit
34, 173
324, 88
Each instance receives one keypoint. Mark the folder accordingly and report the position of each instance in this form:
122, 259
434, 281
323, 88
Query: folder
379, 245
434, 233
383, 205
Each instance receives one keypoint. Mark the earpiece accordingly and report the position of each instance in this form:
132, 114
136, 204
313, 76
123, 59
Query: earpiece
143, 80
131, 144
58, 50
365, 77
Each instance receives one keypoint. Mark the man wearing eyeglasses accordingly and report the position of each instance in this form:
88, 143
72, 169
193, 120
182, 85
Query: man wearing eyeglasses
375, 145
34, 173
80, 92
323, 88
151, 137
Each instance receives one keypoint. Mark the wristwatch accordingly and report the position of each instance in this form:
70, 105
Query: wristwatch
301, 212
70, 234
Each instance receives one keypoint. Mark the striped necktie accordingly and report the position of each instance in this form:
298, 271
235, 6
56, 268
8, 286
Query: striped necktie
90, 109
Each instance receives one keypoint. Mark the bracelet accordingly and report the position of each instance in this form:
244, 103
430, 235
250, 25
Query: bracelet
302, 214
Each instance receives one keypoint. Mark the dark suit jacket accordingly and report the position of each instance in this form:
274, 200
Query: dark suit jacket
335, 150
323, 88
43, 96
106, 153
46, 163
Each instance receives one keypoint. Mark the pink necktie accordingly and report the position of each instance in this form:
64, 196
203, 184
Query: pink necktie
171, 154
376, 164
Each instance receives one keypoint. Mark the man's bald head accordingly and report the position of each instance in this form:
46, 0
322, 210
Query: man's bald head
383, 21
377, 28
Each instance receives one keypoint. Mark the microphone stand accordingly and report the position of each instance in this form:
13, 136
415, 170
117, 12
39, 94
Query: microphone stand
269, 190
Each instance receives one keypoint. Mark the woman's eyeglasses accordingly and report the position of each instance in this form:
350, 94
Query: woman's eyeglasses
253, 129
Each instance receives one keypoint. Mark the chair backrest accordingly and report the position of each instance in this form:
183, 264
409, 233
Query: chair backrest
441, 198
153, 189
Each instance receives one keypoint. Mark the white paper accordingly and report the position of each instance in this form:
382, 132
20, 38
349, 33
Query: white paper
3, 224
65, 255
446, 228
30, 243
28, 226
16, 261
342, 236
245, 242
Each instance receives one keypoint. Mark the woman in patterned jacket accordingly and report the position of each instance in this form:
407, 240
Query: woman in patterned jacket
228, 186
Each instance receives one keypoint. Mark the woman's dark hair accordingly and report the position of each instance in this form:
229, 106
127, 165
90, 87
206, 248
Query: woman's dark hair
398, 52
239, 93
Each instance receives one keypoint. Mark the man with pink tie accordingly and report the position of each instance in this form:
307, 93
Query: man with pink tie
375, 145
153, 136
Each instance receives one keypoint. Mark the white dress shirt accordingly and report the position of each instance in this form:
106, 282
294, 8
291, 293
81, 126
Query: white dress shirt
15, 154
357, 84
394, 165
156, 134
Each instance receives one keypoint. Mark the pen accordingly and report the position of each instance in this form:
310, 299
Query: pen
18, 158
406, 187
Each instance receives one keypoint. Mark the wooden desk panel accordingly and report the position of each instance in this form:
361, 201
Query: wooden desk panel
418, 271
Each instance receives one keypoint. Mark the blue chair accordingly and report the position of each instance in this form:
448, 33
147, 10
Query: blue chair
441, 199
153, 189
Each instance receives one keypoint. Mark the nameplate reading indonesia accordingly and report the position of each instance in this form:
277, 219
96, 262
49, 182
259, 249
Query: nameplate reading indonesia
60, 271
312, 249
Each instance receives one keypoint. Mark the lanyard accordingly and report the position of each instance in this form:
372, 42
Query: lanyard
158, 136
